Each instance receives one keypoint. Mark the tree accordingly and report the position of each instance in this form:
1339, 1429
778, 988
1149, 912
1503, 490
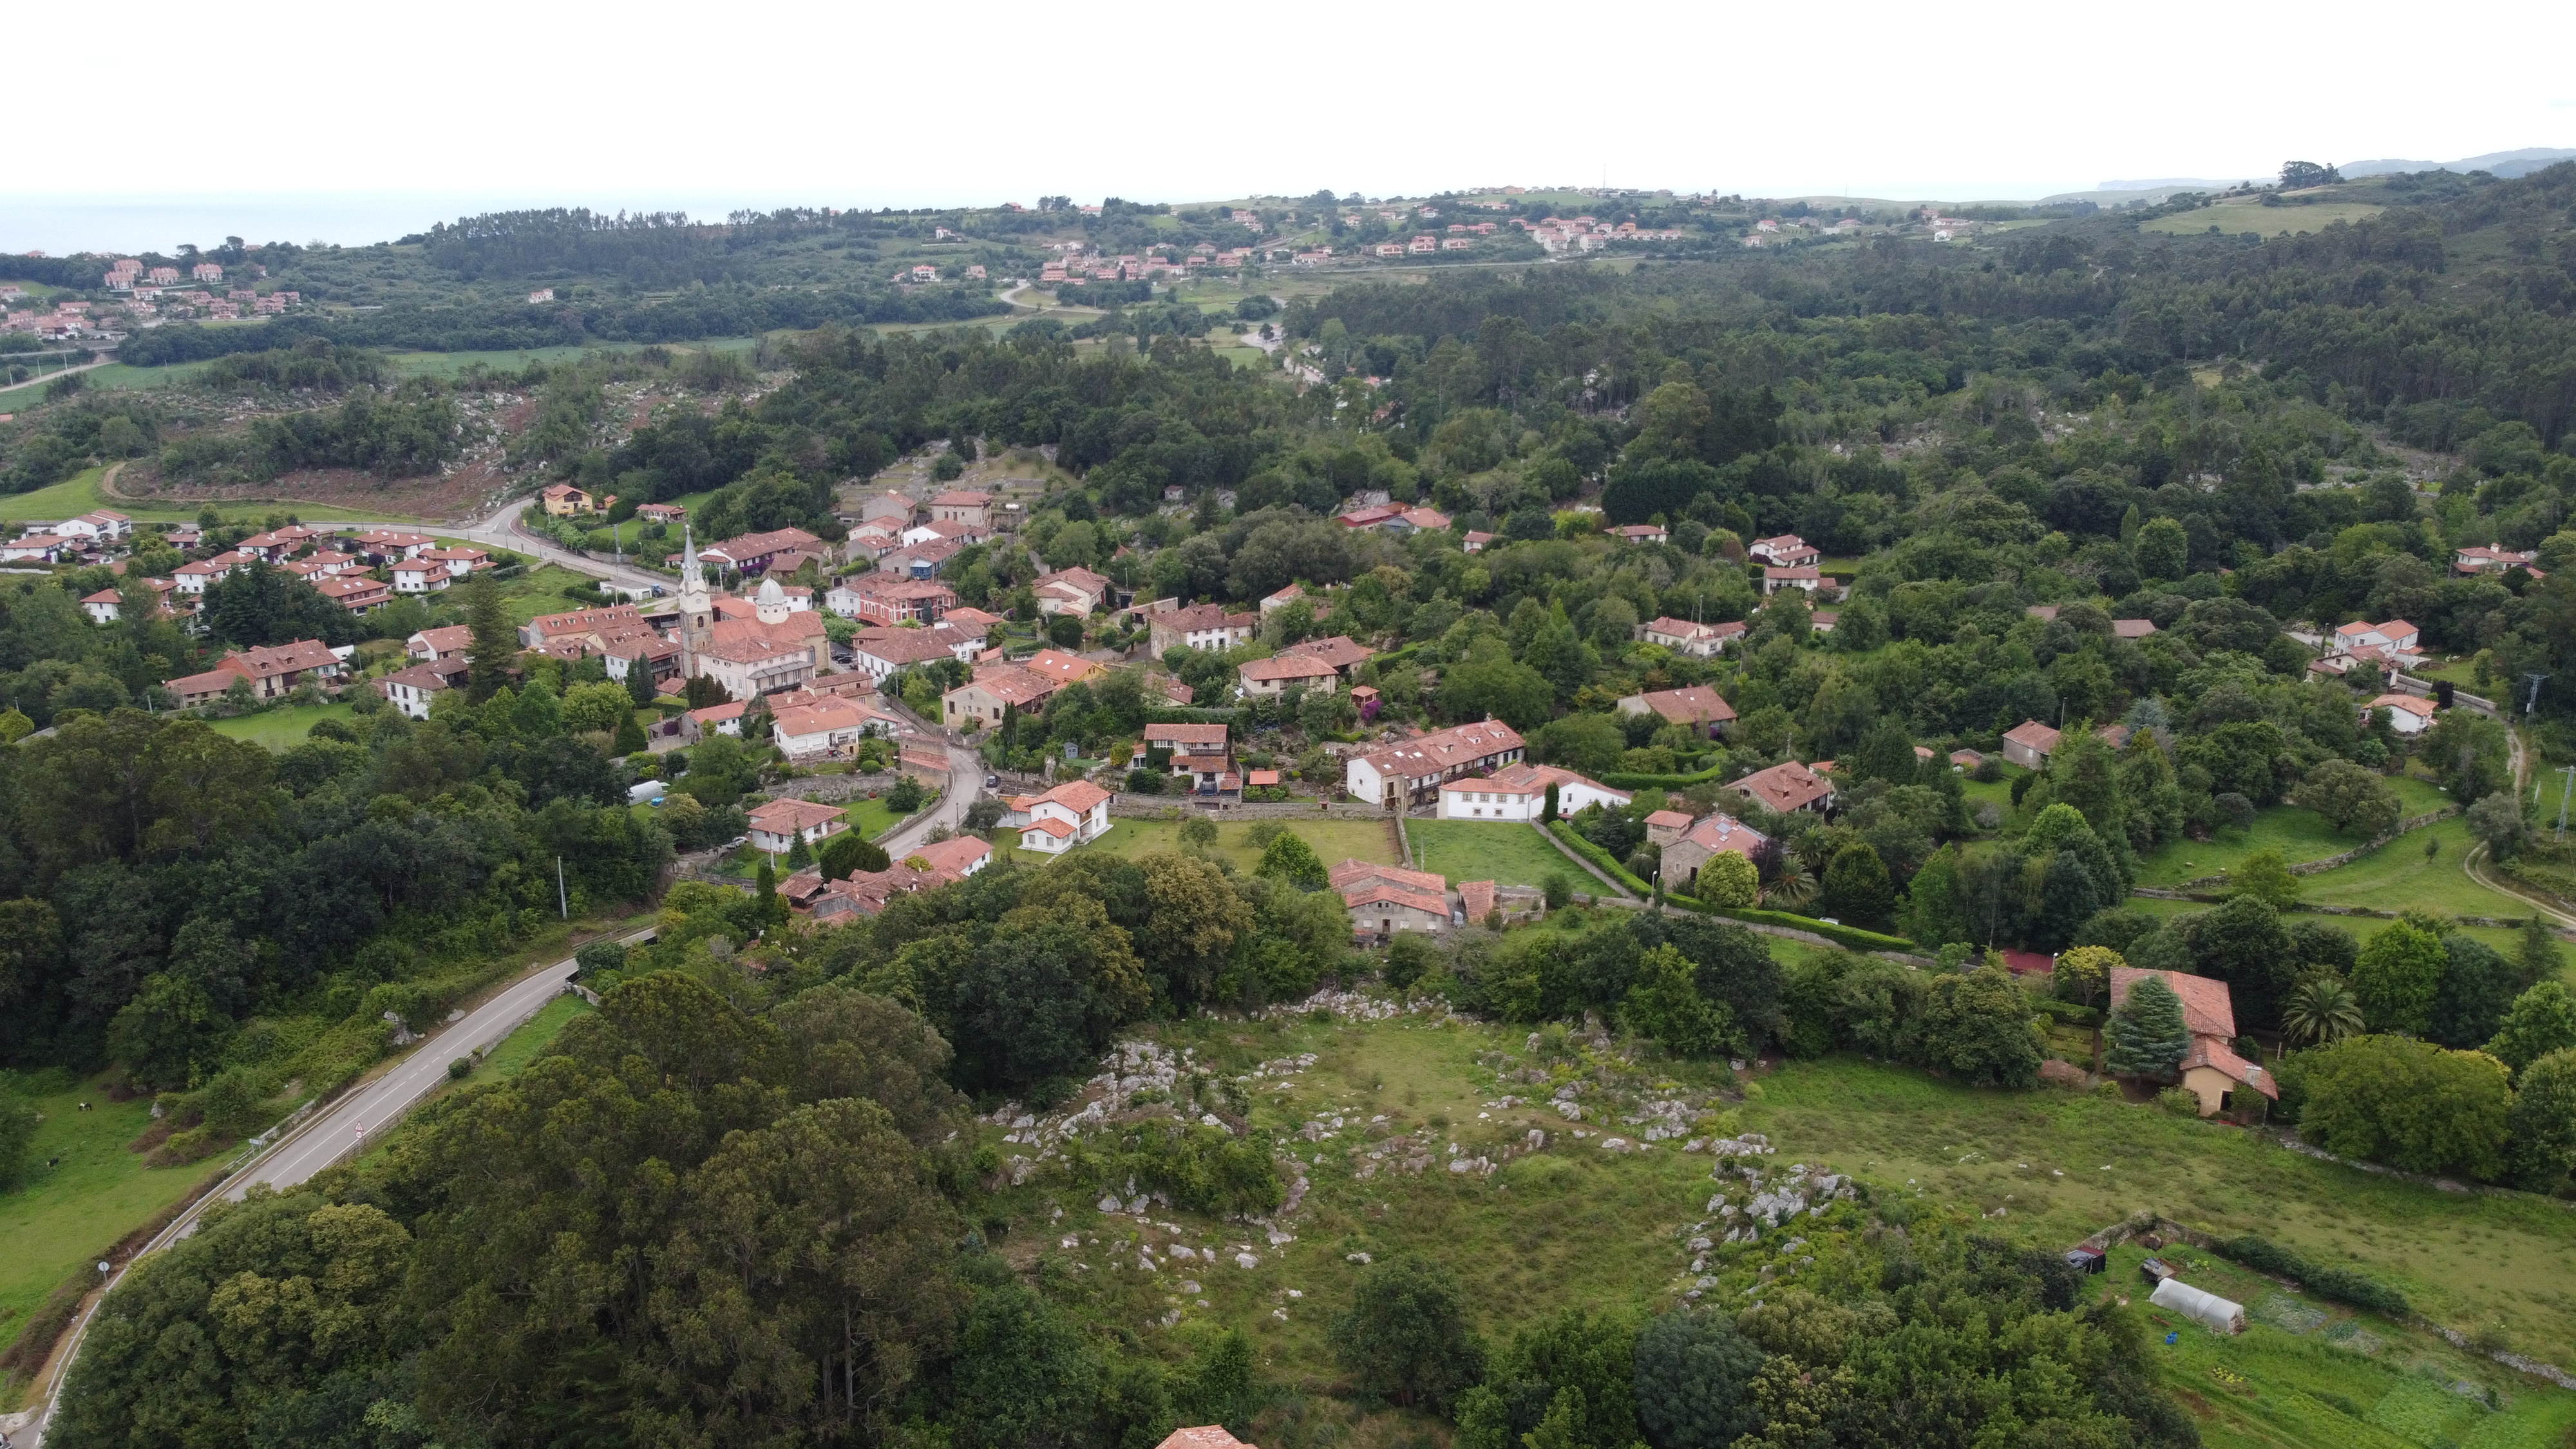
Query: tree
1695, 1381
18, 1123
1857, 888
2149, 1035
1977, 1026
2265, 877
2300, 175
2468, 753
2163, 550
2349, 797
2541, 1020
493, 650
630, 737
1666, 1004
2397, 977
1198, 833
906, 796
1025, 1379
1547, 809
639, 684
1290, 859
1404, 1336
2409, 1104
2497, 823
1729, 880
2320, 1010
169, 1032
2543, 1122
2084, 972
848, 853
2477, 989
2243, 944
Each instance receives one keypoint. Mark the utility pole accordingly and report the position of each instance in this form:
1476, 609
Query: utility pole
2563, 787
563, 901
2533, 702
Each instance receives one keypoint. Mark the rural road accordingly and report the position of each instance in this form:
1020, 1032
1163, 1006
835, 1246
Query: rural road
965, 782
332, 1134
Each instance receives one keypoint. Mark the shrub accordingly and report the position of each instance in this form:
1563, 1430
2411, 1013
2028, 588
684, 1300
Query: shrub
2341, 1285
1728, 880
2180, 1101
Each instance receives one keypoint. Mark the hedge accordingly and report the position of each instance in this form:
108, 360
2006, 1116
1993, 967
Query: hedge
1852, 937
1189, 715
1623, 780
2339, 1284
1566, 832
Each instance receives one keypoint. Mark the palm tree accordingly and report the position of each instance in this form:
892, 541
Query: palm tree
1793, 889
2320, 1009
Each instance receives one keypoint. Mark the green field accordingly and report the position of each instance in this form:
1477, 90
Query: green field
2232, 217
1334, 840
117, 375
540, 591
80, 494
2300, 835
2398, 877
66, 1215
282, 728
1506, 853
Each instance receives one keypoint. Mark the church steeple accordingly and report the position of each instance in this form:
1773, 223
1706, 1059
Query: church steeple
697, 614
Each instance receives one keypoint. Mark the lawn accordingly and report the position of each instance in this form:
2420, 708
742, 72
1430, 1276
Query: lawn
540, 591
2300, 835
282, 728
1506, 853
66, 1215
872, 818
1334, 840
2234, 217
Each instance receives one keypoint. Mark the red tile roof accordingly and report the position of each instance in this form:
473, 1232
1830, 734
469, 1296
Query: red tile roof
1785, 786
1698, 704
2031, 734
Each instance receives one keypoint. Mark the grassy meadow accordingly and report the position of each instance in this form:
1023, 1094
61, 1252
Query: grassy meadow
2232, 217
62, 1216
1506, 853
282, 728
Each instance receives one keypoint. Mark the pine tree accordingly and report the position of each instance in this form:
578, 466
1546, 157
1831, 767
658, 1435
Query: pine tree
639, 683
2148, 1033
630, 737
495, 646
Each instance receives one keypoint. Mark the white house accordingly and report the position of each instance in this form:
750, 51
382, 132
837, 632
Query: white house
1786, 551
419, 576
1414, 769
2407, 714
828, 727
776, 826
1519, 792
102, 606
1682, 636
1073, 813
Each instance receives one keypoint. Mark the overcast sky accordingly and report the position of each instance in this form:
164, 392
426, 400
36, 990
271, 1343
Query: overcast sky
340, 120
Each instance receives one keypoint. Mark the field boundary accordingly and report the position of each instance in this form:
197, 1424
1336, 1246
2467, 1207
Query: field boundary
2332, 862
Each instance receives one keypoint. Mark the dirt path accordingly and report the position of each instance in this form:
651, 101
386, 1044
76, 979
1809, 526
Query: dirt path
60, 372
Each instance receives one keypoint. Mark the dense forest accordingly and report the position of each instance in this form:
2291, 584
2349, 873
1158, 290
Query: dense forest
744, 1203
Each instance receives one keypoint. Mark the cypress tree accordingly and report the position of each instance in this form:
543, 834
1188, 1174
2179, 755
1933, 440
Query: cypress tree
2148, 1033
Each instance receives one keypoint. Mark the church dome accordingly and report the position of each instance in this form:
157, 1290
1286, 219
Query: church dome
771, 593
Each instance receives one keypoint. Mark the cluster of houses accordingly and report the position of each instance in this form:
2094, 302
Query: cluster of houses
145, 296
341, 567
1078, 263
1584, 233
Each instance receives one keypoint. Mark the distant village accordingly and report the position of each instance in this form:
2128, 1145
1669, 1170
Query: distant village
147, 297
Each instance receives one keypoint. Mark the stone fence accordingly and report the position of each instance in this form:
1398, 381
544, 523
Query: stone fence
2313, 867
1156, 807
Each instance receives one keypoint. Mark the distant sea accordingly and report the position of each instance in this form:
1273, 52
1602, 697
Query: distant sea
65, 225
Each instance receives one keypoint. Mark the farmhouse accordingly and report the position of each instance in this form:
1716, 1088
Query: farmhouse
1076, 591
273, 671
1201, 626
779, 824
1786, 551
2029, 744
1519, 792
981, 702
1412, 771
1073, 813
1788, 786
1702, 841
1262, 678
2407, 714
825, 729
409, 689
1385, 899
1201, 753
1700, 641
1698, 706
2222, 1080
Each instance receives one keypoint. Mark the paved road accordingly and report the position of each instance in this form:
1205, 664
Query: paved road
338, 1132
965, 782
